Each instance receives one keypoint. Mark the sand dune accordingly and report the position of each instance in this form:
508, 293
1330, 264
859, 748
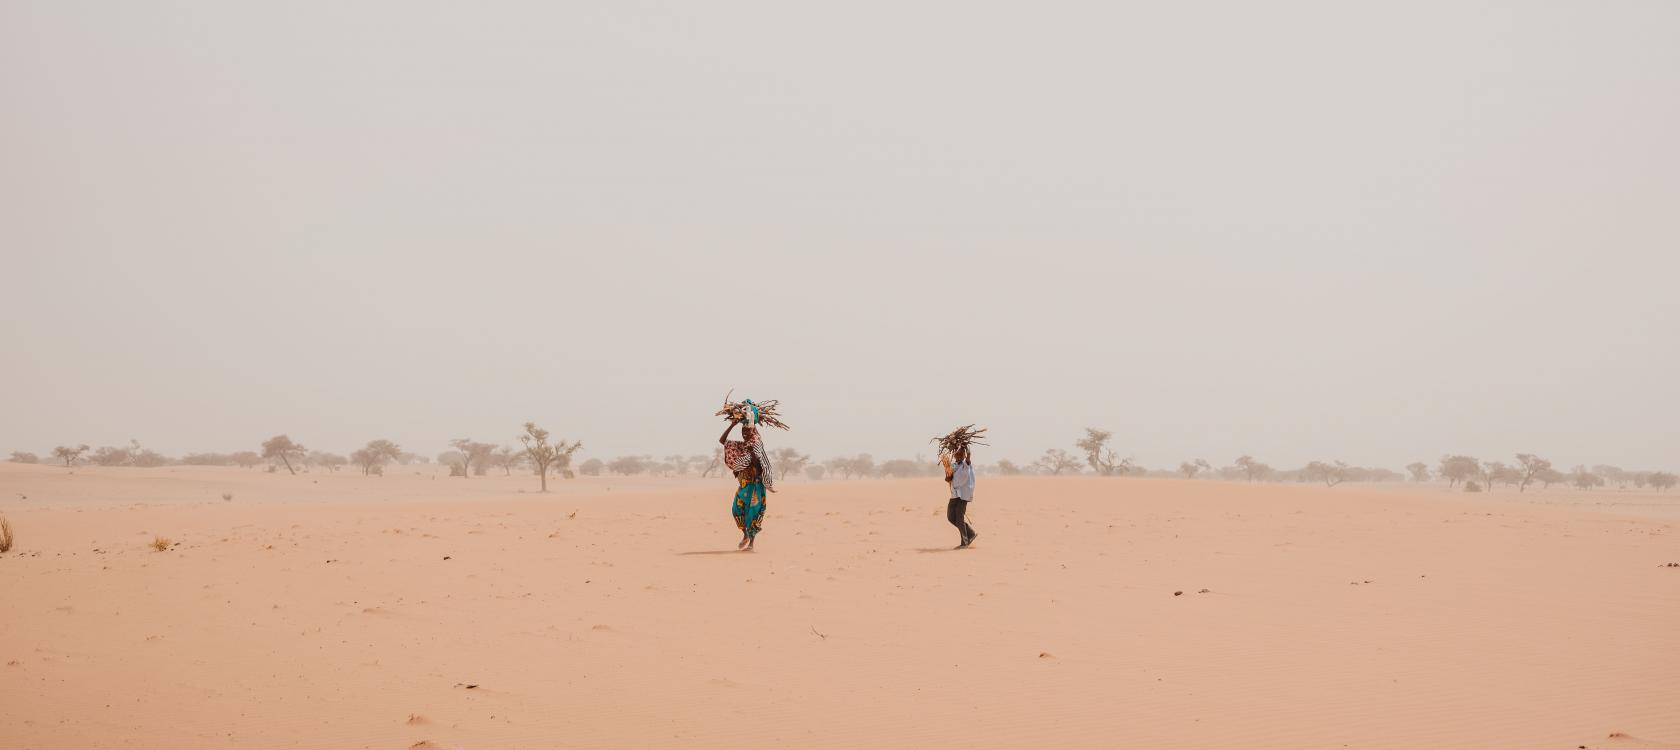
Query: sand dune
340, 611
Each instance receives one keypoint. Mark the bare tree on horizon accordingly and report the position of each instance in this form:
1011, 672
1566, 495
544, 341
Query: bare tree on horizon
1531, 466
70, 455
283, 448
545, 454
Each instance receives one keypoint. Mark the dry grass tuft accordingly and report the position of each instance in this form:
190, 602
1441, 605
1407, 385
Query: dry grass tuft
227, 495
160, 543
5, 535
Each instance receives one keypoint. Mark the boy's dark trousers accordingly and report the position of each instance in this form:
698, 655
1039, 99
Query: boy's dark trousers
955, 513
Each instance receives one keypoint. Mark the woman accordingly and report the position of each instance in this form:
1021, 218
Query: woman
747, 459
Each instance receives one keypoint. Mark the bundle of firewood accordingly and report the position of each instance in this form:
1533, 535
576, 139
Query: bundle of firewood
736, 411
959, 439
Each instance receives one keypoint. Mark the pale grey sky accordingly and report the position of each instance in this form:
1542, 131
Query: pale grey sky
1367, 231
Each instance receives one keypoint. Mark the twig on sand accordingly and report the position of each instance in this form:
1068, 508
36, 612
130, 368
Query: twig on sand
819, 635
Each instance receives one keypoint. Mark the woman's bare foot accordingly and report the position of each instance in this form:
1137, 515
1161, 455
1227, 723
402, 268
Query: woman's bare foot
750, 541
743, 544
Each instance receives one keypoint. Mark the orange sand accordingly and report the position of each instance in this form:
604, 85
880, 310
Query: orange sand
341, 611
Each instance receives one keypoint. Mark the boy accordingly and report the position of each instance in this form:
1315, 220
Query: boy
959, 473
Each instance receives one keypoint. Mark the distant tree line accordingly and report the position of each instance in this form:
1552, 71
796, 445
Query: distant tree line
536, 452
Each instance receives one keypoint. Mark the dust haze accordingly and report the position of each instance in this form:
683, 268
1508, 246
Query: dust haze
1305, 232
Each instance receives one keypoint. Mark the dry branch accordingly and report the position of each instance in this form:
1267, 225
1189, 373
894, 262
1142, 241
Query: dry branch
737, 411
959, 439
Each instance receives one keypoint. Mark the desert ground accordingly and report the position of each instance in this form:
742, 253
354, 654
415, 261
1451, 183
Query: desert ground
417, 611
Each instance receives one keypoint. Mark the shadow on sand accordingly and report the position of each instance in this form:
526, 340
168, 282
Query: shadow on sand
935, 549
715, 552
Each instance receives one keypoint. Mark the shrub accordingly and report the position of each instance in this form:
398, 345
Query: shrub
160, 543
1472, 486
227, 495
5, 535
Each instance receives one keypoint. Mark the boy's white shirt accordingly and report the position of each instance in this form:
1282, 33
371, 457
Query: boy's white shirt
962, 481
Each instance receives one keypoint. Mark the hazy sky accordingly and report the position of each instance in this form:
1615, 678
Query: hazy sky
1367, 231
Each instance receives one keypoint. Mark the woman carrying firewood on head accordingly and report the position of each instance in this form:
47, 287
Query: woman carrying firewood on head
751, 464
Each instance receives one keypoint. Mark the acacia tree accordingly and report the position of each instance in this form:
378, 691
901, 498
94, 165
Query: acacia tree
1497, 471
629, 465
717, 461
1548, 477
1252, 468
506, 459
70, 455
1056, 462
283, 448
1459, 469
1191, 468
1330, 474
1102, 459
245, 459
1662, 480
1529, 469
544, 454
1585, 480
678, 464
788, 460
25, 457
373, 457
472, 454
592, 468
1613, 474
1419, 471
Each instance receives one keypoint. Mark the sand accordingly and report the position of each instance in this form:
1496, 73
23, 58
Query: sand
341, 611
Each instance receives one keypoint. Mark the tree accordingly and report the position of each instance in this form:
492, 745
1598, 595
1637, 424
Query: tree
1585, 480
283, 448
506, 459
1419, 471
1497, 471
900, 468
1548, 477
109, 455
1612, 473
1459, 469
545, 455
1056, 462
629, 465
1007, 467
1330, 474
245, 459
788, 461
70, 455
1097, 453
678, 464
472, 455
25, 457
1251, 468
862, 464
592, 468
147, 459
373, 457
1529, 469
1191, 468
1662, 480
814, 471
